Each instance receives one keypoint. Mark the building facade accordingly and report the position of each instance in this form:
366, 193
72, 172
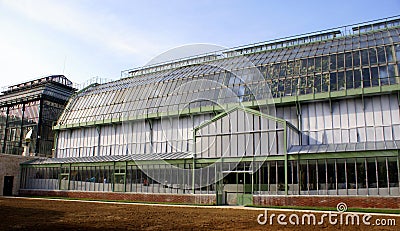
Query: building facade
316, 114
28, 110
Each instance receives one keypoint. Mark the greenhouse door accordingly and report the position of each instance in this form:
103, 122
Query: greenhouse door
243, 190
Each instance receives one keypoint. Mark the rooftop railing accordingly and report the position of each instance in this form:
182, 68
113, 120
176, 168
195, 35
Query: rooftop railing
30, 83
54, 78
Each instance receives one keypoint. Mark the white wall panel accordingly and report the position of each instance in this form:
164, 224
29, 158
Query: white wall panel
279, 144
328, 120
360, 115
335, 115
249, 144
226, 147
319, 114
344, 115
305, 116
272, 137
369, 113
233, 118
377, 109
264, 143
241, 144
345, 136
352, 120
370, 133
362, 135
241, 119
257, 144
329, 136
387, 133
233, 146
312, 117
352, 116
337, 138
379, 136
212, 143
353, 135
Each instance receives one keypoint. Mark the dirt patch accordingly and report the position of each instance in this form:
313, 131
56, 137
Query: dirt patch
26, 214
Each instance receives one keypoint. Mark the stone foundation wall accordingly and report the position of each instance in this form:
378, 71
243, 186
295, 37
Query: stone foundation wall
329, 201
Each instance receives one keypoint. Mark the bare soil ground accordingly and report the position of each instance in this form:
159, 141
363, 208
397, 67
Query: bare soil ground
42, 214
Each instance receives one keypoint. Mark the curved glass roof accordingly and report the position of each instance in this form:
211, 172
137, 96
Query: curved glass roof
361, 60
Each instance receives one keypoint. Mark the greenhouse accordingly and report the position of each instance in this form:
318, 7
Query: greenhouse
314, 114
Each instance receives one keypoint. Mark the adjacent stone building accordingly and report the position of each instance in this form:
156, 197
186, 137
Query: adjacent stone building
28, 111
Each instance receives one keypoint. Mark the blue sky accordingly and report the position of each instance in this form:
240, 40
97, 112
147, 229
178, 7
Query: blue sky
83, 39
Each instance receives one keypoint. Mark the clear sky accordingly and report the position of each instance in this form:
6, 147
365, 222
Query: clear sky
87, 38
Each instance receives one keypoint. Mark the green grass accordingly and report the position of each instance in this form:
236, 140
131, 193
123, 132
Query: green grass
361, 210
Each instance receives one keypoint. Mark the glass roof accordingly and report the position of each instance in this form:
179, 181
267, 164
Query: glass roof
344, 147
97, 159
356, 61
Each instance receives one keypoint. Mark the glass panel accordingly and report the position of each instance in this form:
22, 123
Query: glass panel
381, 55
318, 68
332, 62
333, 82
372, 56
340, 61
303, 176
325, 63
366, 77
361, 176
351, 174
383, 75
341, 80
322, 175
272, 175
290, 67
325, 82
341, 174
349, 79
374, 76
331, 174
348, 60
312, 173
309, 86
317, 83
311, 65
281, 176
371, 173
393, 176
397, 48
282, 72
303, 69
392, 74
382, 173
356, 58
364, 57
357, 78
